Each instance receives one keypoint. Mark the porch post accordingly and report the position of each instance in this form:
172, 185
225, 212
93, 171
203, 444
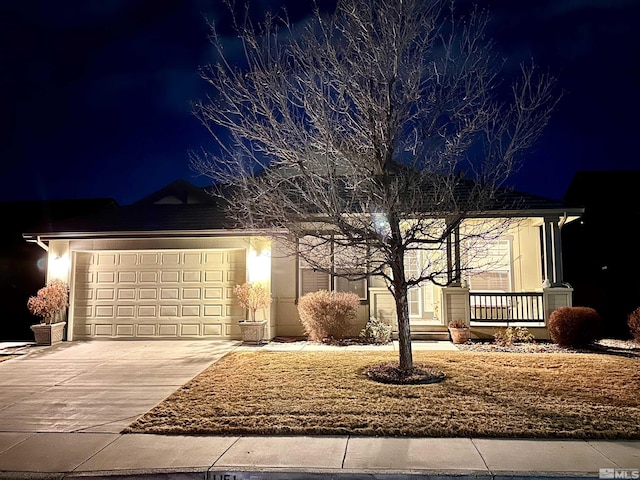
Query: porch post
552, 252
458, 271
449, 261
454, 270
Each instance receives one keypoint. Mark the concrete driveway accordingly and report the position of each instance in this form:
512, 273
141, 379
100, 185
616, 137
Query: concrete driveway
97, 386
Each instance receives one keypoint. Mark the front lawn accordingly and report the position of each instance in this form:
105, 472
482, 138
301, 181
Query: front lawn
483, 395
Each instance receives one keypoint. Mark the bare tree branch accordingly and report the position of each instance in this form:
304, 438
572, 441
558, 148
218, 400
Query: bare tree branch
378, 130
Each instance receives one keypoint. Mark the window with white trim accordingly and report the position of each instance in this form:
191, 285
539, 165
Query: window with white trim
412, 270
419, 298
336, 260
491, 268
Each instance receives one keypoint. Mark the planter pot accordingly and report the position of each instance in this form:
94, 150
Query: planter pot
48, 333
459, 335
253, 332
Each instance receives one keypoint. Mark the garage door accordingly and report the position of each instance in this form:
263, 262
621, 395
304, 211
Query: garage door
157, 294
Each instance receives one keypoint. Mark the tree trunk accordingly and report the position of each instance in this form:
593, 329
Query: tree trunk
402, 313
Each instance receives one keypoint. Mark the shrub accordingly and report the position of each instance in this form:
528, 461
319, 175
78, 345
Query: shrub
574, 326
49, 300
328, 314
252, 296
510, 335
376, 331
633, 320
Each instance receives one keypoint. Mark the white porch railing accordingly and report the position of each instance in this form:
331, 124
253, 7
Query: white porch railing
527, 307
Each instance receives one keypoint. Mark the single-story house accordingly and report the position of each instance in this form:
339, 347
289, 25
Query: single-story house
165, 267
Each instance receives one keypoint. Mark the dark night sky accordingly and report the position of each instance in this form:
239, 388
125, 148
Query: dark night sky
95, 94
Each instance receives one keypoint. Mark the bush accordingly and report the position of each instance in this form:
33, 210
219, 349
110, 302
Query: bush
633, 320
376, 331
50, 300
510, 335
328, 314
575, 326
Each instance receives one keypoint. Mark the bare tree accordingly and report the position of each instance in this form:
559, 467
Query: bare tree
367, 134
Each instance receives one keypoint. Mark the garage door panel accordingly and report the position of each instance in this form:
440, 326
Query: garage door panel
106, 277
125, 311
172, 276
213, 276
147, 311
107, 259
157, 294
148, 277
104, 311
126, 294
169, 311
214, 258
192, 258
190, 310
170, 330
104, 330
124, 330
191, 276
145, 330
105, 293
147, 293
127, 276
149, 259
169, 293
190, 330
191, 293
170, 259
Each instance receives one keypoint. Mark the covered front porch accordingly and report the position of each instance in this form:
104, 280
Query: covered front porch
519, 286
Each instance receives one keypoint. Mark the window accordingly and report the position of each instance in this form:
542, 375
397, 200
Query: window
412, 270
419, 298
338, 260
491, 268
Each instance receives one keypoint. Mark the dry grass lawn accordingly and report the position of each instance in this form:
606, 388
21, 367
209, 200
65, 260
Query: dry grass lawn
483, 395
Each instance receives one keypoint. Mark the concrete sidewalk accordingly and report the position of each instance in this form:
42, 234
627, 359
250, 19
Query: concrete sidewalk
62, 408
99, 455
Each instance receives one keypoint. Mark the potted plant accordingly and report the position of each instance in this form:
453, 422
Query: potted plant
251, 297
459, 331
50, 305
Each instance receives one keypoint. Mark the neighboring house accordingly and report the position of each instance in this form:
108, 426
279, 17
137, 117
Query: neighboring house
23, 266
602, 258
165, 267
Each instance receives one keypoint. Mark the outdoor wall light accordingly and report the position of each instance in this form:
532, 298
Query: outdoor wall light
59, 266
259, 266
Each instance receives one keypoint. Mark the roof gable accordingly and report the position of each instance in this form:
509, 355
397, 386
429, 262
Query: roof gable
179, 192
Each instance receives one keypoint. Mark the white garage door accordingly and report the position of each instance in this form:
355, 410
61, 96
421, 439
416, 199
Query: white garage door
157, 294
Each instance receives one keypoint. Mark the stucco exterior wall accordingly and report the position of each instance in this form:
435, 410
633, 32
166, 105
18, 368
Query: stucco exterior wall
284, 282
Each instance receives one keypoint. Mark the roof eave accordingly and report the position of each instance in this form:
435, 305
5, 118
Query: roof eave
48, 236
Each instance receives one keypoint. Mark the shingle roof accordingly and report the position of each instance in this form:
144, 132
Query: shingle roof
146, 217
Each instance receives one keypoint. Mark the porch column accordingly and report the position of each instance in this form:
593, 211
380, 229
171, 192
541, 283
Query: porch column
453, 256
552, 252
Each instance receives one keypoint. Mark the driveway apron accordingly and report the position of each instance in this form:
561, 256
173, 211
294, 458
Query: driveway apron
97, 386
